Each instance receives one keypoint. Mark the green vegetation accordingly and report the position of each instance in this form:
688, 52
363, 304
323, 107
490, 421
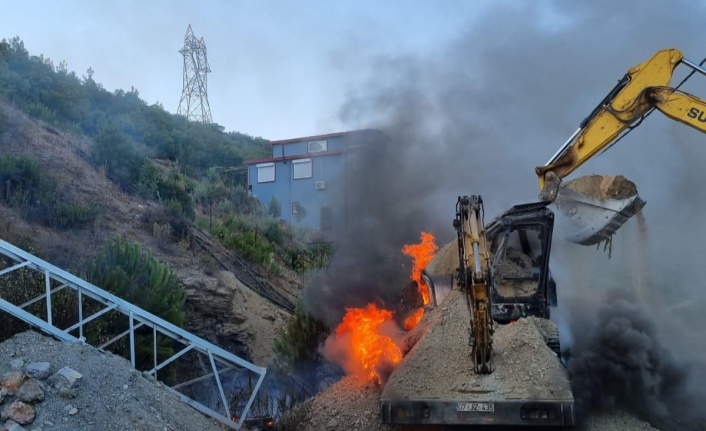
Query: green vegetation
124, 128
193, 170
274, 208
120, 268
21, 285
298, 343
137, 277
37, 196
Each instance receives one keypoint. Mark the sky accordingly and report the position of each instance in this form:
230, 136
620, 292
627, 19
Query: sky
280, 69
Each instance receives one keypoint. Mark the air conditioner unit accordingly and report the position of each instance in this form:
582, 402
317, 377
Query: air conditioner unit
320, 185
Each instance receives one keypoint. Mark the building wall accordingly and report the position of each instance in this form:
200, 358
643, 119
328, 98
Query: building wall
328, 170
336, 143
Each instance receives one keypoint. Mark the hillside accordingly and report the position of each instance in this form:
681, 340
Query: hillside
224, 311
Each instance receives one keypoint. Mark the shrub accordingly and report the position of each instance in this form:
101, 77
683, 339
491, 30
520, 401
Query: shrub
298, 342
175, 188
137, 277
68, 216
237, 234
273, 232
148, 181
21, 285
274, 208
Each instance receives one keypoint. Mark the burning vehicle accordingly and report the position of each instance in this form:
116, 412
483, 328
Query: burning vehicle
501, 367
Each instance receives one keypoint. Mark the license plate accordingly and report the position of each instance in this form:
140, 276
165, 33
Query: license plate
475, 407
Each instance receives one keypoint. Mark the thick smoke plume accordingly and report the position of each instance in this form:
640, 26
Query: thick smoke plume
476, 117
621, 361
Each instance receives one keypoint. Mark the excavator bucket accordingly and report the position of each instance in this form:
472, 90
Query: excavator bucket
596, 206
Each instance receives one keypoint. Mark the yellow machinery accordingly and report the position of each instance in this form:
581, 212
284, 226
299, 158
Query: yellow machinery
643, 89
474, 278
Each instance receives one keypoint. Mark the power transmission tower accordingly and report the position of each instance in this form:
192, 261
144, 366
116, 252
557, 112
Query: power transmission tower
194, 96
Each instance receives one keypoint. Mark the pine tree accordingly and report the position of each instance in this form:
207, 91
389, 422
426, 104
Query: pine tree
139, 278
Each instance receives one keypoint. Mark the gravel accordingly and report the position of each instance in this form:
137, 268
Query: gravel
531, 371
109, 395
614, 420
603, 186
524, 366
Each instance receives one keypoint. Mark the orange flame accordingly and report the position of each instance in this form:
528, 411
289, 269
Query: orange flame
370, 349
421, 255
413, 318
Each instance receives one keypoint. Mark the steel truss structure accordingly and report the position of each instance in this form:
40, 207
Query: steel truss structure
194, 95
224, 369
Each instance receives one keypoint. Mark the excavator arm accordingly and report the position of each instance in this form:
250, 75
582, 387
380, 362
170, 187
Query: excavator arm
474, 278
645, 87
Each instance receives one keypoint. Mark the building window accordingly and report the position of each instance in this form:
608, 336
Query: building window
265, 172
317, 146
295, 207
301, 168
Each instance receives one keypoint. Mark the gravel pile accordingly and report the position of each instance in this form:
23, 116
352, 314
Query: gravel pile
351, 404
614, 420
354, 404
603, 186
72, 387
524, 366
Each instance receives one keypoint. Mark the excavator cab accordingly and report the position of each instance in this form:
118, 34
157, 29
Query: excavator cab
520, 242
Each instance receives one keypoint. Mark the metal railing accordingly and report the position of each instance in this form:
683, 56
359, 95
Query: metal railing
228, 371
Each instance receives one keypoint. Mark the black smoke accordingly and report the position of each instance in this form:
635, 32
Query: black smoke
620, 361
479, 113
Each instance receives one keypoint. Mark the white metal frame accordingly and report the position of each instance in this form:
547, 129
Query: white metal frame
137, 318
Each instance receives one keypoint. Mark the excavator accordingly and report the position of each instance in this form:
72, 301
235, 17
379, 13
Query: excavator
643, 89
503, 266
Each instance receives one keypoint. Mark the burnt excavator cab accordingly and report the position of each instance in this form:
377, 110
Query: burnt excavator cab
520, 244
452, 393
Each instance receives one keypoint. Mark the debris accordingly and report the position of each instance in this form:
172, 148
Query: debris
65, 378
32, 391
38, 370
603, 186
20, 412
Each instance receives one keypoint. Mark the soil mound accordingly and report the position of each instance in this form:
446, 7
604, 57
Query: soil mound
603, 186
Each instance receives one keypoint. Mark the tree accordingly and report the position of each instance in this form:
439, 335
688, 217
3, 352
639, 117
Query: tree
274, 208
124, 270
298, 343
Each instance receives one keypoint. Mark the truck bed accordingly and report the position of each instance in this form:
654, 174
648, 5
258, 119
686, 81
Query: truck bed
435, 383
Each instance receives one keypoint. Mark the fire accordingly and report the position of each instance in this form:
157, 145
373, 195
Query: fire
361, 342
369, 347
421, 255
413, 318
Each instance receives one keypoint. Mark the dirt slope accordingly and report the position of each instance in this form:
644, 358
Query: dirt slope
246, 322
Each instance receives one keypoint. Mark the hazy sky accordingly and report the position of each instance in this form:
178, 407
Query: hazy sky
280, 69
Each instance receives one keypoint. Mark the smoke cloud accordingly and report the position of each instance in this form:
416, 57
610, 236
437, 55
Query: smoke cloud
477, 117
622, 361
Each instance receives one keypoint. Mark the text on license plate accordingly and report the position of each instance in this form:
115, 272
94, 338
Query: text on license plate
475, 407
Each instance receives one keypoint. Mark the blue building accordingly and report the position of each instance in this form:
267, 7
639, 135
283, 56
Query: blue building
309, 177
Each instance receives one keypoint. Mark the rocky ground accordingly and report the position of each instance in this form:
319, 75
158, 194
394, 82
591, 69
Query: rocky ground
60, 386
